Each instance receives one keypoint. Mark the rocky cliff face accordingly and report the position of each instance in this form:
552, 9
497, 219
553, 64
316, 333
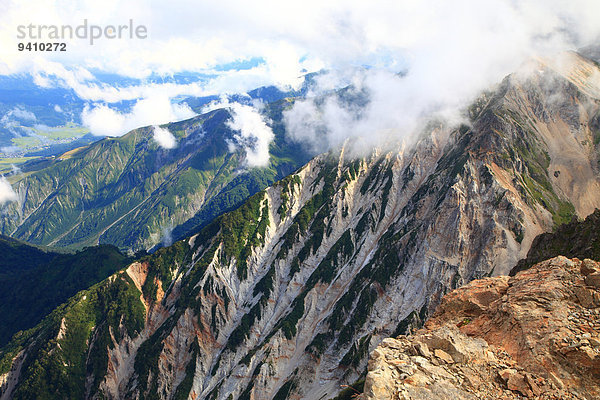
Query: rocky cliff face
286, 296
535, 335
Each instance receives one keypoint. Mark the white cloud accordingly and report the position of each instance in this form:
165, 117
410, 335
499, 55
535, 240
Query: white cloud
15, 170
16, 114
103, 120
167, 238
58, 108
451, 50
22, 114
7, 194
252, 134
14, 120
290, 36
380, 108
448, 53
50, 74
164, 138
45, 71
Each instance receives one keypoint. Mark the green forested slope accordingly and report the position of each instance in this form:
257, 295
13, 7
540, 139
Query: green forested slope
34, 281
129, 192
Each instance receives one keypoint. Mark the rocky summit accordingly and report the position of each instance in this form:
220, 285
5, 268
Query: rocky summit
534, 335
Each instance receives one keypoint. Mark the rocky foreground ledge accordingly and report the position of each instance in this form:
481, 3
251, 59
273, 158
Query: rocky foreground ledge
535, 335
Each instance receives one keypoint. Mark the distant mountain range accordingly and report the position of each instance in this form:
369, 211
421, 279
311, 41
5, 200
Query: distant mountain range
38, 121
130, 192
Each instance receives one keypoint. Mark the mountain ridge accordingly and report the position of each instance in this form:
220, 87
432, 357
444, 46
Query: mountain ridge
287, 294
101, 193
35, 280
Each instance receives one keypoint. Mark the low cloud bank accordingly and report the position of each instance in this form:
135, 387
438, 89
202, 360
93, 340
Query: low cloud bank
103, 120
7, 194
164, 138
436, 58
252, 134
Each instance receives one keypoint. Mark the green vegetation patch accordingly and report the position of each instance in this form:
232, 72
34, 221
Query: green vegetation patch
34, 281
58, 367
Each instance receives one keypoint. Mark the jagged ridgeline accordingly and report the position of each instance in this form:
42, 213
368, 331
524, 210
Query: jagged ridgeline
127, 191
285, 296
